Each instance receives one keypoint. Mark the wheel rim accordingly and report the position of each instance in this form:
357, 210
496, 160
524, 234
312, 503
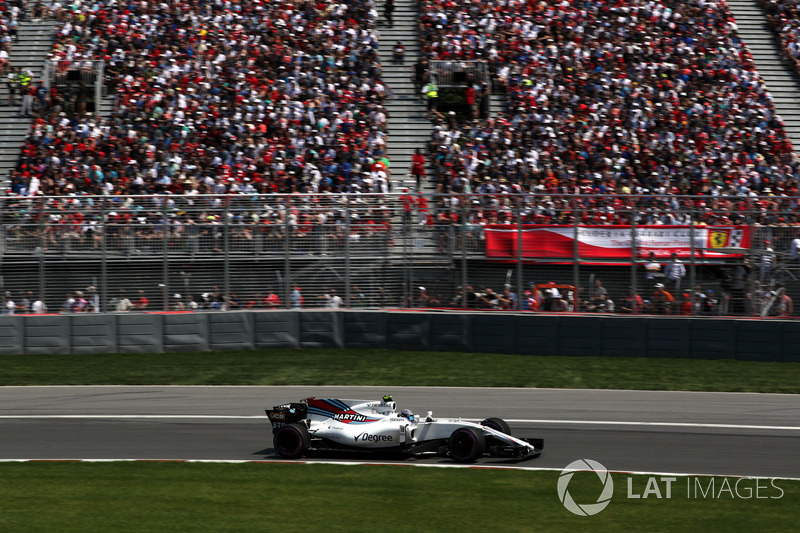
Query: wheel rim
463, 444
288, 441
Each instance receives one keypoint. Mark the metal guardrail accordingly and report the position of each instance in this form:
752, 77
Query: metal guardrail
459, 73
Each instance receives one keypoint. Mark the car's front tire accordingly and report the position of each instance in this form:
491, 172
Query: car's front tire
291, 441
466, 445
497, 424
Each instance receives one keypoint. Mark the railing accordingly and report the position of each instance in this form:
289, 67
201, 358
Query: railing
493, 252
459, 73
82, 75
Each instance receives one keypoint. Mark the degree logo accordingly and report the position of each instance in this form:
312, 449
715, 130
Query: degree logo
367, 437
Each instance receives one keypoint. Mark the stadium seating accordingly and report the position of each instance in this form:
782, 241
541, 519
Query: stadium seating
251, 97
610, 98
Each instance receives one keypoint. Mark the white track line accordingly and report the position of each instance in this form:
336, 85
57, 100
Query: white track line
400, 388
654, 424
513, 421
368, 463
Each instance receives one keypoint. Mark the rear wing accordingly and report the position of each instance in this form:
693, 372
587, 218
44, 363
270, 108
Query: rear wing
288, 413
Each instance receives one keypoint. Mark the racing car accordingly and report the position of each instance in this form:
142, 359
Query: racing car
331, 424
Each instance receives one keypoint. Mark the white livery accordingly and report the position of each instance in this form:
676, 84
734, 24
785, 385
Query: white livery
333, 424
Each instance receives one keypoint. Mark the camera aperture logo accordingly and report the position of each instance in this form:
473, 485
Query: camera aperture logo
659, 486
585, 509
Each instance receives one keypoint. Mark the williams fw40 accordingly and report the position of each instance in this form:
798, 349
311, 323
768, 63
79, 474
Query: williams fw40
329, 424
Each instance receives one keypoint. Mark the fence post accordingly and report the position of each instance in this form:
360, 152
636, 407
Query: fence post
165, 253
42, 244
104, 258
226, 256
634, 257
691, 261
415, 229
464, 215
287, 282
347, 250
519, 254
576, 276
405, 232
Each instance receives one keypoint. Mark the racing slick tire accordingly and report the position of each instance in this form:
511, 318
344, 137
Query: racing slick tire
291, 441
466, 445
497, 424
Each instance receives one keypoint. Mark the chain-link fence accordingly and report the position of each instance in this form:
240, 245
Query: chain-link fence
617, 254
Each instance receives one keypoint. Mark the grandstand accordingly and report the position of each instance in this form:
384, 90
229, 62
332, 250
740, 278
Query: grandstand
634, 106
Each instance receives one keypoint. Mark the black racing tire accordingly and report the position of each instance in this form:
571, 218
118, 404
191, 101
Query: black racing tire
291, 441
466, 445
497, 424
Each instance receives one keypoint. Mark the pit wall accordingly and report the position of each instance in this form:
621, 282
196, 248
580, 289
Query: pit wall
527, 334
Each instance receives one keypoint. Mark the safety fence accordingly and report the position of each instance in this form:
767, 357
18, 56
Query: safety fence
508, 333
494, 252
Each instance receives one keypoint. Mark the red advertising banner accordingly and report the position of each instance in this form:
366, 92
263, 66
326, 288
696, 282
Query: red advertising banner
614, 242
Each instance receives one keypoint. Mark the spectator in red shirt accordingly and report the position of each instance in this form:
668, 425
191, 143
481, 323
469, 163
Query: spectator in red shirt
272, 301
686, 305
141, 303
469, 96
418, 167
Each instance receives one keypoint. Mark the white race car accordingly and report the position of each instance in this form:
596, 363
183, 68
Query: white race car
331, 424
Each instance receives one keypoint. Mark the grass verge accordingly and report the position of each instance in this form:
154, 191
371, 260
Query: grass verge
398, 368
165, 497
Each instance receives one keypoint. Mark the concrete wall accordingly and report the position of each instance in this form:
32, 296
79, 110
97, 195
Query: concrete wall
529, 334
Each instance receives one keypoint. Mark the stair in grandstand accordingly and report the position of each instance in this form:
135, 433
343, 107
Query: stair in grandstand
29, 51
408, 127
783, 83
497, 103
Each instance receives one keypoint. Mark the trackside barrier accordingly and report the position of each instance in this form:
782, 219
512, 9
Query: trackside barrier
47, 334
12, 336
365, 330
231, 331
139, 333
186, 332
277, 329
93, 333
321, 329
528, 334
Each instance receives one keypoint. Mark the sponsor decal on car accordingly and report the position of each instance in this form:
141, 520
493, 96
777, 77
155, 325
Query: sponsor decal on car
368, 437
277, 416
349, 417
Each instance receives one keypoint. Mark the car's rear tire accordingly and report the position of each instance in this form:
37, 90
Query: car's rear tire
466, 445
291, 441
497, 424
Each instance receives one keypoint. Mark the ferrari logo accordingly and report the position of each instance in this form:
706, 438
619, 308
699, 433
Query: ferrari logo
718, 239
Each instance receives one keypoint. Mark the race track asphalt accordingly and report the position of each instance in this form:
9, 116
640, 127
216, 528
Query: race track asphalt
638, 431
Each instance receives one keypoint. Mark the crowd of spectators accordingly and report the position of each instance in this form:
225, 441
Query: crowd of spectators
785, 18
603, 99
12, 12
214, 97
612, 98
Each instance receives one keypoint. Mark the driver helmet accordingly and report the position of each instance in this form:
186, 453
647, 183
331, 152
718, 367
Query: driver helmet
406, 413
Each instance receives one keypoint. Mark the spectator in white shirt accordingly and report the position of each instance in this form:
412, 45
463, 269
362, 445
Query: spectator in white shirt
675, 270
